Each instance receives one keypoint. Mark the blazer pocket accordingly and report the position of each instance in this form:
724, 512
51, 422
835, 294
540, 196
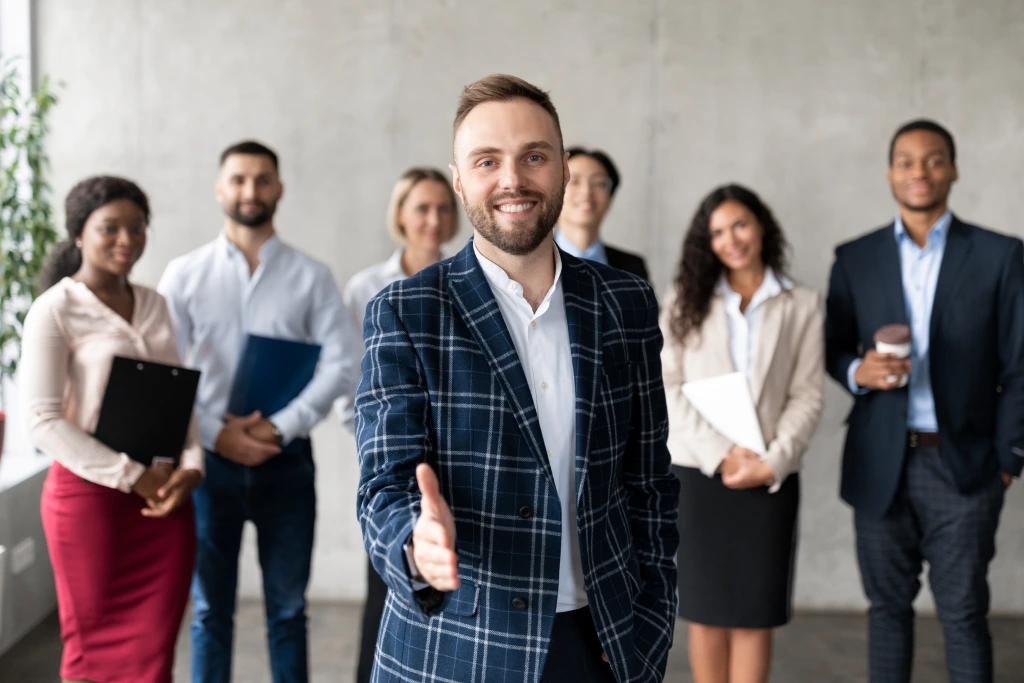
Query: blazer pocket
465, 600
617, 392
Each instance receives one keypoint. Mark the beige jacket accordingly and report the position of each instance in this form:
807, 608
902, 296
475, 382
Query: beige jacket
786, 381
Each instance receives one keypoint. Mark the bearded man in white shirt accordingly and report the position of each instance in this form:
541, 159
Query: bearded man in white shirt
515, 494
259, 467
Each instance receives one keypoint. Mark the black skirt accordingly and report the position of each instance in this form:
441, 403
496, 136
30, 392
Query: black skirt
736, 551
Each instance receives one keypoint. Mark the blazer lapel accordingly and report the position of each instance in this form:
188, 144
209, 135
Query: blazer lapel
958, 246
583, 316
890, 273
715, 352
472, 296
773, 315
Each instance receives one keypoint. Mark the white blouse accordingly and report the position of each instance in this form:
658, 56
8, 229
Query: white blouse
68, 345
361, 288
744, 325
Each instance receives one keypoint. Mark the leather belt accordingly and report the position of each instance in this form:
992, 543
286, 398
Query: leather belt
926, 439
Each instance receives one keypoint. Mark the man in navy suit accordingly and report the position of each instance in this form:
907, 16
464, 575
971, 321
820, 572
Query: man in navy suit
926, 465
516, 494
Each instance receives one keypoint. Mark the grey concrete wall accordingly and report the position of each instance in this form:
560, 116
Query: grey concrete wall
796, 98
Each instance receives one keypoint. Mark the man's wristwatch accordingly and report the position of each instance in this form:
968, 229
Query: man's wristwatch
278, 436
410, 563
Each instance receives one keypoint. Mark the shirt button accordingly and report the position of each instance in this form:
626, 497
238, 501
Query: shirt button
519, 603
511, 286
533, 323
543, 385
526, 512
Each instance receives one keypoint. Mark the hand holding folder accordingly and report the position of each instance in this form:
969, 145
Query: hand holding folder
271, 373
146, 409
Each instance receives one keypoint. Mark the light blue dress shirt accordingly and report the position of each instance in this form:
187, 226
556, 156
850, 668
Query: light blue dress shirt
595, 252
214, 302
920, 270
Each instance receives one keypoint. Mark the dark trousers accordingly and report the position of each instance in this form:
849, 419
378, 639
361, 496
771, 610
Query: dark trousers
373, 612
930, 520
574, 653
280, 499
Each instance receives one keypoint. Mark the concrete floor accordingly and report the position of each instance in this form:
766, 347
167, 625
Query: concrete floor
815, 648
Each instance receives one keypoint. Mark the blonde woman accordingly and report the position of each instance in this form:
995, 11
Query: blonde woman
422, 216
733, 309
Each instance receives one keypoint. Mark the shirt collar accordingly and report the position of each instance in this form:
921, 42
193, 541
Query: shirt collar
595, 252
771, 286
937, 234
393, 266
499, 280
269, 249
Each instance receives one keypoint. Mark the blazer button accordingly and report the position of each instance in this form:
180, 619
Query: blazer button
519, 603
526, 512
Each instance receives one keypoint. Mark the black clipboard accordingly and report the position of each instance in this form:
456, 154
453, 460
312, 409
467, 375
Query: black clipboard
146, 409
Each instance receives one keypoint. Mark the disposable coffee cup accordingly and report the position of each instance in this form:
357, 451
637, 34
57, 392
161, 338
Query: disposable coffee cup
895, 340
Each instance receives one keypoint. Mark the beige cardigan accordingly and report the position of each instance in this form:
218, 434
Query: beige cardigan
68, 345
787, 380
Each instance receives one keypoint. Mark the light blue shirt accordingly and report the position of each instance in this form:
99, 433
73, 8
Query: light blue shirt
595, 252
214, 302
920, 270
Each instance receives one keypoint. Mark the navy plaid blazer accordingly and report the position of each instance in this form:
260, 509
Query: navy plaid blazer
442, 383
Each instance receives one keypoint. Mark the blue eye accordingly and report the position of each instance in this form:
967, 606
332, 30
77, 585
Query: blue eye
534, 157
486, 162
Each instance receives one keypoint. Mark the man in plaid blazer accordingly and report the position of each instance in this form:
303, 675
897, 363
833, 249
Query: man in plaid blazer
516, 493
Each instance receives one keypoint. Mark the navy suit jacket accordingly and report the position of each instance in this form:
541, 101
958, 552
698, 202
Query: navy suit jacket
627, 261
442, 383
976, 357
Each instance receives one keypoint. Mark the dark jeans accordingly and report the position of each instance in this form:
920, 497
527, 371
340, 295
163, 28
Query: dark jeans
930, 520
373, 612
279, 498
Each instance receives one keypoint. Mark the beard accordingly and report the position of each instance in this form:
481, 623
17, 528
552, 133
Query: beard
525, 236
252, 220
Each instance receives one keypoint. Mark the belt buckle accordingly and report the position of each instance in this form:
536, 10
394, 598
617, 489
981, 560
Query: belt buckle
914, 440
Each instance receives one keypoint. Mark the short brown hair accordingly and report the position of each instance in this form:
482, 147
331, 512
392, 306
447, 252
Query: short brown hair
403, 187
502, 88
250, 147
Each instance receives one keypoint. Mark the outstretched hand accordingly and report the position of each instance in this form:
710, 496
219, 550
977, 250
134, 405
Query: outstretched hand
433, 537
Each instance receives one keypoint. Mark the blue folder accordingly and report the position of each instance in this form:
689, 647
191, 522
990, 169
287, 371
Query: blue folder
271, 373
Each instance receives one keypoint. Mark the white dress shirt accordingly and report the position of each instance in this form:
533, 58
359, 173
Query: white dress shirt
744, 325
214, 303
362, 287
541, 339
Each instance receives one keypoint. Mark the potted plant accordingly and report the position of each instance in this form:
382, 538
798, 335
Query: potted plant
26, 218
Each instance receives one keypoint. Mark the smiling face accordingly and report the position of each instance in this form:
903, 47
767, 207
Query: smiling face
921, 173
427, 216
588, 194
736, 236
510, 173
114, 237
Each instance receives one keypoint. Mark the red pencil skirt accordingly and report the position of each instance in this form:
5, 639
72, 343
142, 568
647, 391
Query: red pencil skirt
122, 579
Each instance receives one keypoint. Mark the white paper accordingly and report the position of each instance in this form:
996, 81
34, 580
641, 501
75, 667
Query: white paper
726, 404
